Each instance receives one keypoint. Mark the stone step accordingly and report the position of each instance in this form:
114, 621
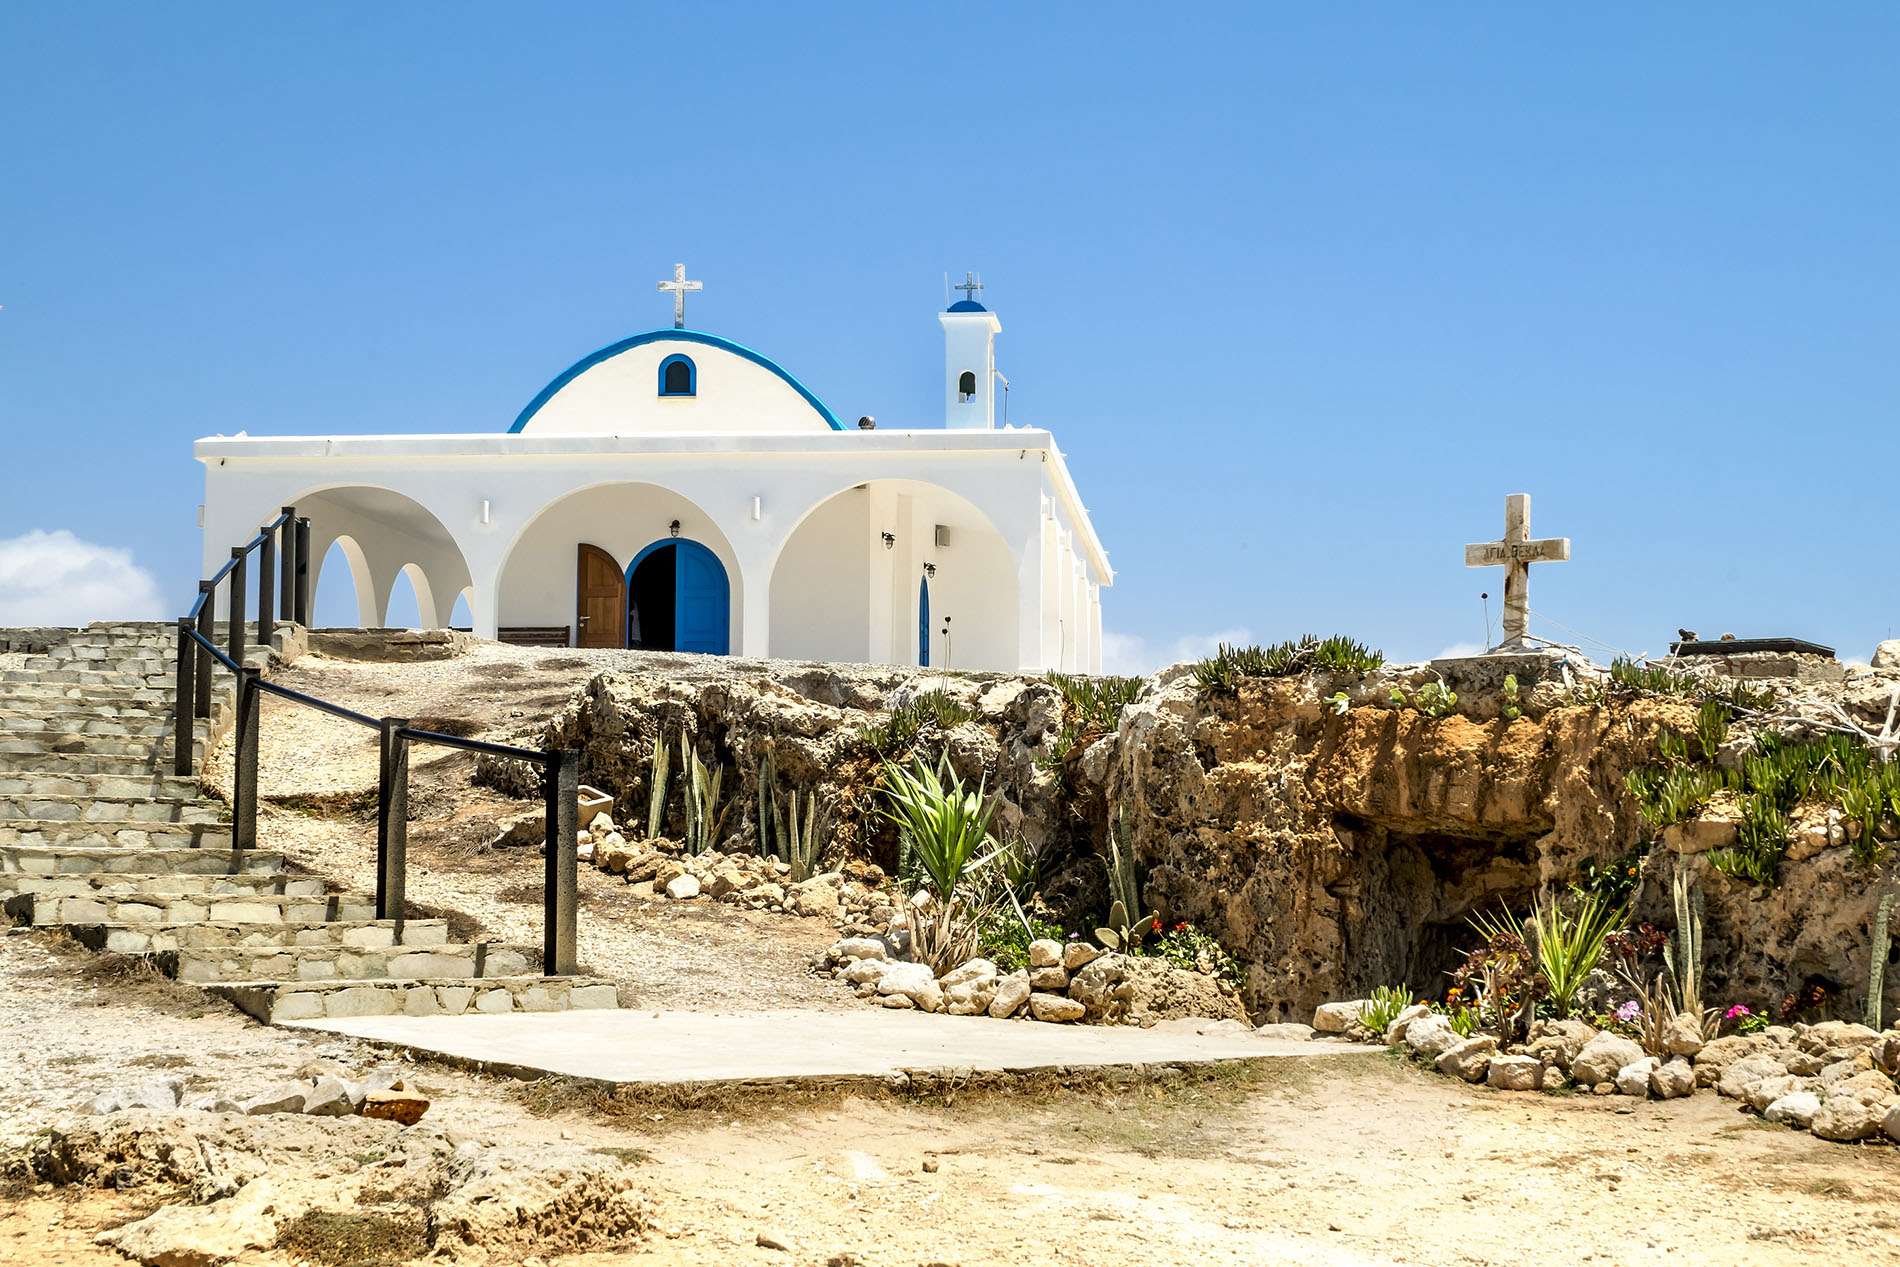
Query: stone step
134, 674
280, 1001
29, 908
143, 758
143, 939
48, 744
91, 809
115, 786
100, 698
121, 834
57, 721
119, 860
460, 961
163, 887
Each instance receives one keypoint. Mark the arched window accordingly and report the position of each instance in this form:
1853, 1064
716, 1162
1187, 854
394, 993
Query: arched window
679, 376
966, 386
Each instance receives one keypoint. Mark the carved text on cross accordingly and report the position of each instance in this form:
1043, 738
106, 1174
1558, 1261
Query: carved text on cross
679, 286
969, 286
1515, 554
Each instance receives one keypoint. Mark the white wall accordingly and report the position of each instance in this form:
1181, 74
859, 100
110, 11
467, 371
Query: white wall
621, 396
821, 587
537, 581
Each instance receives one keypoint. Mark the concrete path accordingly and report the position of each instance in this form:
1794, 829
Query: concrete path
670, 1048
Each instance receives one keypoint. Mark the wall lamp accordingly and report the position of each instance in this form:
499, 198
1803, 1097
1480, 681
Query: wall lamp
930, 569
890, 540
673, 529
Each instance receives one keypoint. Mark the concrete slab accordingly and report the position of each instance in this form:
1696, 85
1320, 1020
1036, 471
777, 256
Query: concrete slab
625, 1046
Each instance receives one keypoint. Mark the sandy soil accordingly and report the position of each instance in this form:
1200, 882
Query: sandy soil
1336, 1161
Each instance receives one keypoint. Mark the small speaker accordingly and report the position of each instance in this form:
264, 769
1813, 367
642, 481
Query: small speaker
943, 536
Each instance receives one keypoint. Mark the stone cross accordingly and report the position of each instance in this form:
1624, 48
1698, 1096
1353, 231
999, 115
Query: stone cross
679, 286
969, 286
1515, 554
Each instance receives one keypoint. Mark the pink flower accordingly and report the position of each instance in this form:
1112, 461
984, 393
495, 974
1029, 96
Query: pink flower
1738, 1011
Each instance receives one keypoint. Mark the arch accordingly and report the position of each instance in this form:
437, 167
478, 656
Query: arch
966, 385
369, 614
462, 614
384, 534
698, 602
592, 359
419, 593
836, 592
536, 586
679, 376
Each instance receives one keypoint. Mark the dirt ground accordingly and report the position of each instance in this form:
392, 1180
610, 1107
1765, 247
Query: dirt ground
1348, 1160
1327, 1161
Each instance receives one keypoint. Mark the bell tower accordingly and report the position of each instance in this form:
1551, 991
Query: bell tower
969, 361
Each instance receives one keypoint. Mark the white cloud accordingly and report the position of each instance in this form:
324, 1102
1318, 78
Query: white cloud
1134, 654
54, 578
1460, 650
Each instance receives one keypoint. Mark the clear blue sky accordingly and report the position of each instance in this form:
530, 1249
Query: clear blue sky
1303, 290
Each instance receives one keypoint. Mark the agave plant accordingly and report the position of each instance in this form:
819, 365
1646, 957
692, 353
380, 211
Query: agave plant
704, 814
1565, 940
942, 828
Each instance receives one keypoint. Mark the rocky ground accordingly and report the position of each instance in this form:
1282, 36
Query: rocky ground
1346, 1161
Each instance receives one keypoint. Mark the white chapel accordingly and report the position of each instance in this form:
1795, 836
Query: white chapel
677, 491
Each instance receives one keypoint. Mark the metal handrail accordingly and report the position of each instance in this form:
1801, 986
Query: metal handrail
196, 653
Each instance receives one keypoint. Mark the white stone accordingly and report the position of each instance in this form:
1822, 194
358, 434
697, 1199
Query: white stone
1796, 1109
1395, 1032
1045, 952
1470, 1059
1337, 1018
1603, 1057
1673, 1079
682, 887
1055, 1007
1514, 1073
1633, 1079
1012, 992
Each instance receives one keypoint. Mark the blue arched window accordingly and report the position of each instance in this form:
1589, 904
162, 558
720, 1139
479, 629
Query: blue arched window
679, 376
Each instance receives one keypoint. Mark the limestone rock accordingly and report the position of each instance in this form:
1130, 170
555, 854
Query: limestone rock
1045, 952
913, 981
1079, 954
186, 1235
405, 1107
1738, 1077
1337, 1018
1723, 1052
1886, 655
1760, 1094
1053, 980
330, 1097
1891, 1124
1514, 1073
1885, 1053
1395, 1032
1284, 1031
1431, 1037
1103, 987
153, 1093
283, 1098
1672, 1080
1602, 1058
849, 948
1682, 1034
1055, 1007
682, 887
1012, 992
1829, 1035
1796, 1109
1470, 1059
976, 970
1633, 1078
1558, 1042
525, 830
1845, 1118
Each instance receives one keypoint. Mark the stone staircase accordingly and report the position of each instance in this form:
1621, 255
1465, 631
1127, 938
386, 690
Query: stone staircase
99, 838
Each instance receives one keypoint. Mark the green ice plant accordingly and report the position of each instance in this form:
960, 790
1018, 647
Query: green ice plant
1383, 1006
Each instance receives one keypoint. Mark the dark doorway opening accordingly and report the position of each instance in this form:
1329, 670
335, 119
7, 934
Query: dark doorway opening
651, 592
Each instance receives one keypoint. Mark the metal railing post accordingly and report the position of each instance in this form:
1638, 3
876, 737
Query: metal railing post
266, 592
236, 613
208, 593
303, 572
287, 564
186, 696
392, 820
559, 955
244, 783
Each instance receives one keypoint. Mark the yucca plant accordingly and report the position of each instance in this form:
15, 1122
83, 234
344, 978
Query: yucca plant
704, 815
656, 786
942, 828
1126, 925
1565, 940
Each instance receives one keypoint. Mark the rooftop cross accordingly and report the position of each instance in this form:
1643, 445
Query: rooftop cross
969, 286
679, 286
1515, 554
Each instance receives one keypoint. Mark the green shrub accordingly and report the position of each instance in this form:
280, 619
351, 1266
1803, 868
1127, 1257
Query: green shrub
1194, 950
1004, 940
1222, 672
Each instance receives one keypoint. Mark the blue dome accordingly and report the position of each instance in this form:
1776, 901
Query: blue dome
967, 305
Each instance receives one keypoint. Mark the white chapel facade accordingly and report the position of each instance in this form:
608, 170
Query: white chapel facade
678, 491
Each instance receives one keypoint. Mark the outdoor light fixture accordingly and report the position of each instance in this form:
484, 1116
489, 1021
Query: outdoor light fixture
930, 569
757, 505
484, 510
890, 541
673, 529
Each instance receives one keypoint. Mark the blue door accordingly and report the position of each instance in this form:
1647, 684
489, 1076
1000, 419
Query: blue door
702, 603
923, 622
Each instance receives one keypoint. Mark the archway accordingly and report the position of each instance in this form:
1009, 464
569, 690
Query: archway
580, 555
342, 591
678, 599
896, 572
384, 536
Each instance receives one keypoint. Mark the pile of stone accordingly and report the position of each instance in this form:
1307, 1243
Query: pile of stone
1064, 982
1835, 1079
381, 1094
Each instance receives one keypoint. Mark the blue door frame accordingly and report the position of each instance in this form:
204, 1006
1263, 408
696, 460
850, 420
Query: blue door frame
702, 596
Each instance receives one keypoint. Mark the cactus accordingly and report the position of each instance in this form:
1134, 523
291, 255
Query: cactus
1877, 962
704, 817
805, 842
1122, 931
769, 838
656, 786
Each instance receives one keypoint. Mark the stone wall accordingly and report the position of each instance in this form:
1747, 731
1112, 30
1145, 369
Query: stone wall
1330, 851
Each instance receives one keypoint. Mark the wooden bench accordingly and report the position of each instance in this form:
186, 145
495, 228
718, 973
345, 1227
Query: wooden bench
534, 635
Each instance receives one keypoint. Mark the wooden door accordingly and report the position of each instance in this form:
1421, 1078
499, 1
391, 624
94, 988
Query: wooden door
600, 602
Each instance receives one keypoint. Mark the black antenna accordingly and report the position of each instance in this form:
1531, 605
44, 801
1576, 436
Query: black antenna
1485, 595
